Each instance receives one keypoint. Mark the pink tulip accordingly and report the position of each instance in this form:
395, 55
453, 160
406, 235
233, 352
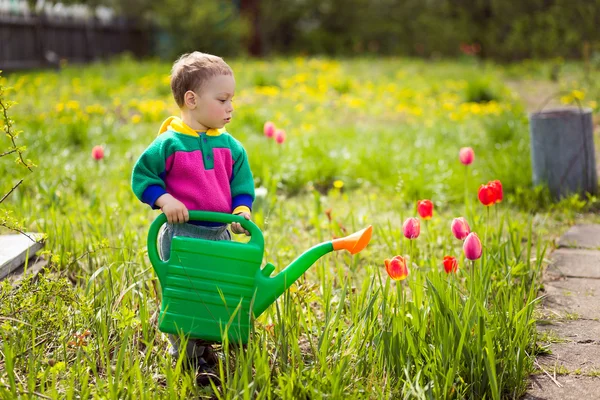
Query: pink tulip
98, 153
466, 155
460, 228
280, 136
269, 129
472, 247
411, 228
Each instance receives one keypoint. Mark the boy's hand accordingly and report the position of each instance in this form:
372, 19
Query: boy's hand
236, 227
176, 211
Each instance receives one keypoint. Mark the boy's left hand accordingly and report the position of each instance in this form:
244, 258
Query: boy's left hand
236, 227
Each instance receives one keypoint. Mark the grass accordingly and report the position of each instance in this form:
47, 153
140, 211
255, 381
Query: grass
366, 139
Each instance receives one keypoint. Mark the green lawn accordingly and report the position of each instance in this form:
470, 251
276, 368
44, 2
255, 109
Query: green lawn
365, 139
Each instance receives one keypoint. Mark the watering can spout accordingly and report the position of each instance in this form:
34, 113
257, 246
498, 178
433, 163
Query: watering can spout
268, 289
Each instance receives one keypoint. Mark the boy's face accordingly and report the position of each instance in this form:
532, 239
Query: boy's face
212, 107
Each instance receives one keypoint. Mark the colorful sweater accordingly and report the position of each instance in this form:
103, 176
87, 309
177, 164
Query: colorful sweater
206, 171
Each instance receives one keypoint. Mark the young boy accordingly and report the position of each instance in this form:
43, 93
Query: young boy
192, 165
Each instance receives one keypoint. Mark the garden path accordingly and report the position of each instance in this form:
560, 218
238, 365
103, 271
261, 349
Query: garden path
570, 321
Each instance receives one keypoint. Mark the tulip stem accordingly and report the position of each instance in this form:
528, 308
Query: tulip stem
487, 224
410, 253
466, 190
472, 278
497, 221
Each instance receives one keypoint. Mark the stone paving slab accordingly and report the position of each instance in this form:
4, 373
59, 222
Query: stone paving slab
574, 387
572, 304
15, 249
573, 298
572, 358
578, 263
582, 236
583, 331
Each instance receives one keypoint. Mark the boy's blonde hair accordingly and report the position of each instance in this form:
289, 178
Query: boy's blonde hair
191, 70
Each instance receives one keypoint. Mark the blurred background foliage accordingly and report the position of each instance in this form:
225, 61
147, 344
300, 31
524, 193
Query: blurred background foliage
503, 30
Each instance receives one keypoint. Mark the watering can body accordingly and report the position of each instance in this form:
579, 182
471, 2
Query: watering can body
215, 288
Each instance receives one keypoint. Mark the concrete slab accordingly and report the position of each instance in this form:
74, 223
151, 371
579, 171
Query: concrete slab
583, 331
582, 236
574, 387
573, 298
576, 263
15, 249
572, 358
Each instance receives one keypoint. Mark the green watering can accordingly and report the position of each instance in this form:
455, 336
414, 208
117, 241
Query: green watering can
215, 288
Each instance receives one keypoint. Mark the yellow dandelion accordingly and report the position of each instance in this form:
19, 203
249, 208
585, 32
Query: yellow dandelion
338, 184
578, 94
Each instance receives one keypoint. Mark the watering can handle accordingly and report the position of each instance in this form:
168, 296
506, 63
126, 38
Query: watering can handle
160, 266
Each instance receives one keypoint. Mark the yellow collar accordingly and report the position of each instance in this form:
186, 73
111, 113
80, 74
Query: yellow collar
177, 125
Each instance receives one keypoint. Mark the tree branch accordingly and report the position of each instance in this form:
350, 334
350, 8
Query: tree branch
10, 191
8, 152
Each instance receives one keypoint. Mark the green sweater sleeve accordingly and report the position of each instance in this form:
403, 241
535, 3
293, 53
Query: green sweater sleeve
242, 182
147, 179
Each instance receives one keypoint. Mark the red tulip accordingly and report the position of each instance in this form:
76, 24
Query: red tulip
411, 228
425, 209
487, 195
497, 187
269, 129
396, 268
466, 155
280, 136
98, 153
450, 264
460, 228
472, 246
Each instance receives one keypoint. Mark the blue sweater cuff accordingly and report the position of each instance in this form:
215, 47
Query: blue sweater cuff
242, 200
151, 194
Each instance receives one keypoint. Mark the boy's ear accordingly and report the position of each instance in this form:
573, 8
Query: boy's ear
189, 98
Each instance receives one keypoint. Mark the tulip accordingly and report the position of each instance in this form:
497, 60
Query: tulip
396, 268
280, 136
425, 209
98, 153
269, 129
466, 155
487, 195
497, 187
460, 228
411, 228
450, 264
472, 247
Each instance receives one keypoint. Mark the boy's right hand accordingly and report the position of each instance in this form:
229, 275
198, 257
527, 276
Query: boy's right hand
175, 211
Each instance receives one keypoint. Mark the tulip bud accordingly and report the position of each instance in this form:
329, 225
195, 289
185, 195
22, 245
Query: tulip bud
472, 247
487, 195
280, 136
98, 153
497, 188
411, 228
269, 129
466, 155
460, 228
396, 268
425, 209
450, 264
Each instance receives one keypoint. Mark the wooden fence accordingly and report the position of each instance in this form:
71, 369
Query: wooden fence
37, 42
